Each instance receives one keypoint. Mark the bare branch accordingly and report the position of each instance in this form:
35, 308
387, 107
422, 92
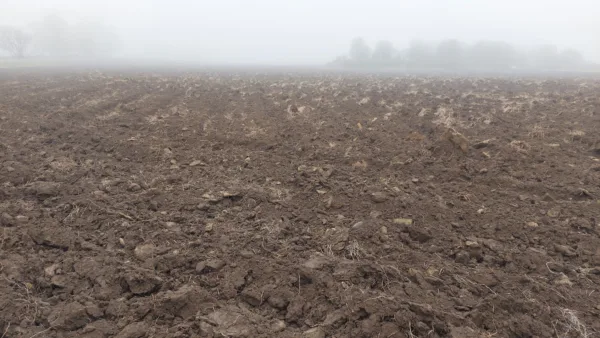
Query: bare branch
14, 41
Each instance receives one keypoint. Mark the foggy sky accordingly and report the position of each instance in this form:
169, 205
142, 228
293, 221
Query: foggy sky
316, 31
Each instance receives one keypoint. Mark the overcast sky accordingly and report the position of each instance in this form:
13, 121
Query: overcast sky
316, 31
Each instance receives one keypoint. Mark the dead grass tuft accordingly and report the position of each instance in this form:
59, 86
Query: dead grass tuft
27, 306
362, 164
63, 164
538, 132
571, 326
445, 116
108, 116
520, 146
252, 130
354, 250
576, 135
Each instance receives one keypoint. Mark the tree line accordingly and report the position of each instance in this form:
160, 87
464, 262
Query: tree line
52, 36
453, 54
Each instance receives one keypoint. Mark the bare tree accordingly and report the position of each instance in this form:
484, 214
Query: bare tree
14, 41
492, 55
571, 58
359, 51
450, 54
57, 38
420, 54
51, 36
93, 39
546, 57
384, 52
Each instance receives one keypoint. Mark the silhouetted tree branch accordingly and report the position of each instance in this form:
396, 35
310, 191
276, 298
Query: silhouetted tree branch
14, 41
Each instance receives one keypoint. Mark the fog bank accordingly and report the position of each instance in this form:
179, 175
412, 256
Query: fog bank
312, 31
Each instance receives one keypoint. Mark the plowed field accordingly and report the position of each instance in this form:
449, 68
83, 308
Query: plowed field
272, 205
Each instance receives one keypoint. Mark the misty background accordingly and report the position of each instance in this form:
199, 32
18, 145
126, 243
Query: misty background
294, 32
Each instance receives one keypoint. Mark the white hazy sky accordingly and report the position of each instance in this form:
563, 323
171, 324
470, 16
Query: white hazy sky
315, 31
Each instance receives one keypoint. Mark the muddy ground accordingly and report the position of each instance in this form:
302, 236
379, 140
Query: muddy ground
263, 205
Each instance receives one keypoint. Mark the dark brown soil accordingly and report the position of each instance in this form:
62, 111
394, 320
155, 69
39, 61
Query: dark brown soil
240, 205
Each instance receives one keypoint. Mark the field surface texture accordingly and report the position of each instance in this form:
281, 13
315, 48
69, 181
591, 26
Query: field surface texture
272, 205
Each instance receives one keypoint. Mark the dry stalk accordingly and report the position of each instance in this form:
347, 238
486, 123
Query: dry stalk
5, 330
410, 331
